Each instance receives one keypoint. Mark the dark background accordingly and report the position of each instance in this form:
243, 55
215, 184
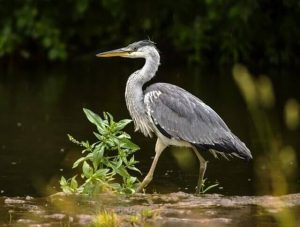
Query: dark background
202, 31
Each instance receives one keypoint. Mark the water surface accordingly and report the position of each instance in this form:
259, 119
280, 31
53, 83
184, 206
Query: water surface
40, 105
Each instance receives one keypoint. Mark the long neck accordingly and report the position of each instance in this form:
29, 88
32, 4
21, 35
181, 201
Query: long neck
140, 77
134, 91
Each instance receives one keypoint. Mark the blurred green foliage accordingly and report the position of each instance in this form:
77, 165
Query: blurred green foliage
276, 165
223, 31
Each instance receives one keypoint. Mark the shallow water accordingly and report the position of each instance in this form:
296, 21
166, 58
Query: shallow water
175, 209
40, 106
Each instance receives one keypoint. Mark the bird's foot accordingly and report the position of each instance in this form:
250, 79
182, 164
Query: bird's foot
141, 188
144, 184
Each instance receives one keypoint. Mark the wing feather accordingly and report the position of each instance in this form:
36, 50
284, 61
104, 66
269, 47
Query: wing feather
185, 117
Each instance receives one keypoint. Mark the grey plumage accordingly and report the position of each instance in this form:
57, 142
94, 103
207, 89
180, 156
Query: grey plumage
185, 117
174, 115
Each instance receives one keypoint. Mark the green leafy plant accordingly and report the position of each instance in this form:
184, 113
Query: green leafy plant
110, 157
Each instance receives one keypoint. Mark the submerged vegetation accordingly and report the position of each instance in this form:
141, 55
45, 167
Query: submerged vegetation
109, 159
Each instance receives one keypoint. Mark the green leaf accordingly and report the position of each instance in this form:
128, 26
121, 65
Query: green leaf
73, 140
78, 161
63, 181
87, 170
97, 156
122, 171
86, 144
132, 180
132, 161
98, 152
70, 185
121, 124
108, 117
98, 136
124, 135
119, 163
134, 169
126, 143
73, 183
101, 173
93, 117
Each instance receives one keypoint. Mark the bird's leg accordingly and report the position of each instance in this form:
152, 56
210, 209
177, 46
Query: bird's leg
159, 147
202, 169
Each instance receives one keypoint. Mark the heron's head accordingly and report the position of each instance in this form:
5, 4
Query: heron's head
140, 49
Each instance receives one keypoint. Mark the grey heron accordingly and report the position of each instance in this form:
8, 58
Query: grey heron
171, 113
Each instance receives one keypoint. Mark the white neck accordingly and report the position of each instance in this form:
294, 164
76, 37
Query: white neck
134, 93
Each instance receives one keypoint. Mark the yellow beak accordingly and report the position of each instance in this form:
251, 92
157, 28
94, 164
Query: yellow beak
113, 53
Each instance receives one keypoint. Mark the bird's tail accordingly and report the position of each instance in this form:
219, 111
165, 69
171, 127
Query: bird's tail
231, 146
240, 149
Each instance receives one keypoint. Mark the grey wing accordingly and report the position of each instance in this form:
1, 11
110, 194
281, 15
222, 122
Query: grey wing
183, 116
